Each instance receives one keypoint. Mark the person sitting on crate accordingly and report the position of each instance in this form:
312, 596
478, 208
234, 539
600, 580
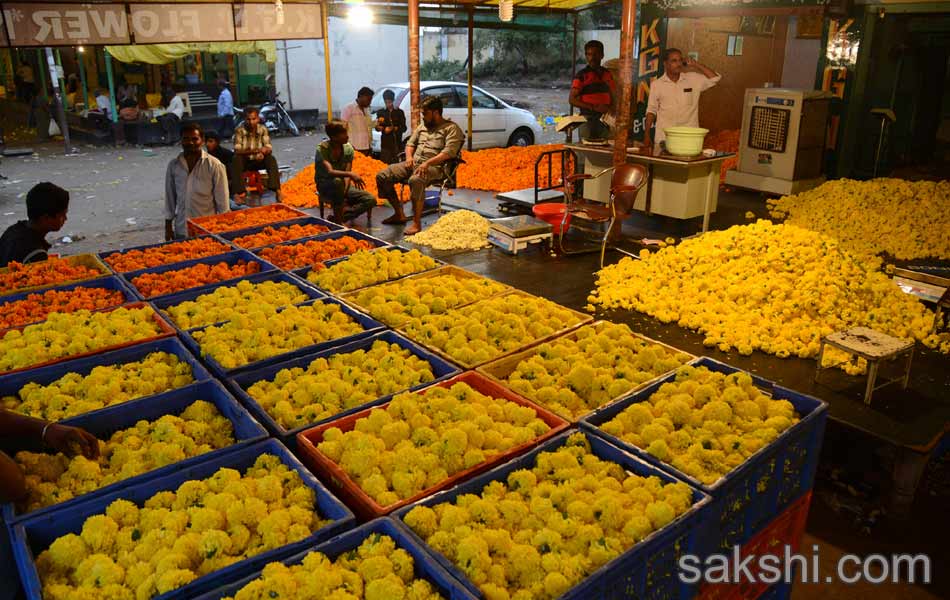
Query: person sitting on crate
435, 142
196, 184
25, 241
338, 186
253, 151
21, 432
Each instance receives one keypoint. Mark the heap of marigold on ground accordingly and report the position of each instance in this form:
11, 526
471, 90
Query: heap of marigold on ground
506, 169
301, 191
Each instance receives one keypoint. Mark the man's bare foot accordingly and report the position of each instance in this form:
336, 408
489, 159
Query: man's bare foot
395, 219
411, 230
240, 198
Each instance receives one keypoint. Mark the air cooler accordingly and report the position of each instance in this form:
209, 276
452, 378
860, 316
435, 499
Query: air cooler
781, 147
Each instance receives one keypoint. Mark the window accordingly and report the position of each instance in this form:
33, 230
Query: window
479, 99
446, 93
378, 103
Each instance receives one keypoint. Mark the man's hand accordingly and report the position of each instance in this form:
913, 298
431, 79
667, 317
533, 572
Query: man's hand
422, 170
72, 441
265, 151
388, 129
357, 181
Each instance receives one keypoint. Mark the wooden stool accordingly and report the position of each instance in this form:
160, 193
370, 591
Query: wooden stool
874, 347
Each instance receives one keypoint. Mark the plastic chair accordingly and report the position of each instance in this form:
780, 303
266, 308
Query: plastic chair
625, 183
448, 182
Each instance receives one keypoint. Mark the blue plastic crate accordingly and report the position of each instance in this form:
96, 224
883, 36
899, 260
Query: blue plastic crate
231, 258
753, 494
239, 385
370, 326
8, 572
277, 276
103, 423
111, 282
10, 385
33, 535
330, 235
302, 273
647, 570
104, 255
230, 236
425, 566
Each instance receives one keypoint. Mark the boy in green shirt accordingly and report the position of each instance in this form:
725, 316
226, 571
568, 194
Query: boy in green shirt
337, 185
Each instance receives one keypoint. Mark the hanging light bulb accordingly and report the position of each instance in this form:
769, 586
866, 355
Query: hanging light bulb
279, 11
360, 15
80, 49
506, 10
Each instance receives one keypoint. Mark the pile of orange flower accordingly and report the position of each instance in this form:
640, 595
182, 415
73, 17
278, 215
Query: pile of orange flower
295, 256
36, 307
506, 169
243, 219
158, 284
725, 141
133, 260
276, 235
45, 273
301, 190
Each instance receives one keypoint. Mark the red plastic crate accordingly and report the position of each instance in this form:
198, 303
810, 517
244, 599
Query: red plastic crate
366, 507
166, 331
785, 530
205, 225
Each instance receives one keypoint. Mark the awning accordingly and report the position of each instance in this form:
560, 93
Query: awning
162, 54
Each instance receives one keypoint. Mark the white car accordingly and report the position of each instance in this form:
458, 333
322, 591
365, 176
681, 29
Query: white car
495, 122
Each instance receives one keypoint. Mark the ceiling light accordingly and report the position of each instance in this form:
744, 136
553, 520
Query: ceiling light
506, 10
360, 15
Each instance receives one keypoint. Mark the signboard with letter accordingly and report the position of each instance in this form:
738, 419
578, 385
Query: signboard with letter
163, 23
31, 24
259, 22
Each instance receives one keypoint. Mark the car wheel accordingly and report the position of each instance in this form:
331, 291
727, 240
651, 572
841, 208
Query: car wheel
521, 137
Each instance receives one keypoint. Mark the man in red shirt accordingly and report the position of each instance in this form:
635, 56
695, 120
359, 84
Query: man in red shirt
592, 91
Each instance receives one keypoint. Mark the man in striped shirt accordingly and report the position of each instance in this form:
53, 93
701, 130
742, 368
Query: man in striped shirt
592, 91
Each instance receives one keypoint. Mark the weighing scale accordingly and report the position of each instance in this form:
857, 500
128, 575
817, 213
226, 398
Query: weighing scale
512, 234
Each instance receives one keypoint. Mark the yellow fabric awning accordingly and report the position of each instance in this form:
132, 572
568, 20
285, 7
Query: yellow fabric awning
162, 54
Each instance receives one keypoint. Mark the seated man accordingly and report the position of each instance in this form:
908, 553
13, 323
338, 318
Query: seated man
253, 151
25, 241
434, 142
336, 183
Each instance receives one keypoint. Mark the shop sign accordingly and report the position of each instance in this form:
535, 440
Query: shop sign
260, 22
163, 23
32, 24
651, 40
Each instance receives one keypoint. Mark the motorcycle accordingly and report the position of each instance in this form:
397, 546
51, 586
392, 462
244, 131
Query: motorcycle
273, 115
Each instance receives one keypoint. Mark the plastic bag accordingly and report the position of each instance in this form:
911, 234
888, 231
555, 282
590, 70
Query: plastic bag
54, 128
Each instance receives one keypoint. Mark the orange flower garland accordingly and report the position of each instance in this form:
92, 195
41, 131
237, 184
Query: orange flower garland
47, 272
159, 284
166, 254
301, 191
36, 307
243, 219
272, 235
295, 256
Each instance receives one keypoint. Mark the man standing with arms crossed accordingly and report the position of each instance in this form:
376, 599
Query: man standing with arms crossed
674, 97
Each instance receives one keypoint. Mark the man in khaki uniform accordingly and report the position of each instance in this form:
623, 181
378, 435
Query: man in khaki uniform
436, 141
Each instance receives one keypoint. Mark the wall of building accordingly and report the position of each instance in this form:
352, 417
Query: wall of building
762, 61
373, 57
801, 59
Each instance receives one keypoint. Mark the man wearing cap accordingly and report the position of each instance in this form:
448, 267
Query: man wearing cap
435, 142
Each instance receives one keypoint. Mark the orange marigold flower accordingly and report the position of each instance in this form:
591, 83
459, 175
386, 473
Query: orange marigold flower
295, 256
276, 235
243, 219
36, 307
44, 273
133, 260
159, 284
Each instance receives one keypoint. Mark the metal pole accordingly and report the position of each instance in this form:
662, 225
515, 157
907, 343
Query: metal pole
414, 60
112, 113
570, 131
82, 78
326, 57
62, 80
628, 32
471, 68
39, 62
290, 98
57, 97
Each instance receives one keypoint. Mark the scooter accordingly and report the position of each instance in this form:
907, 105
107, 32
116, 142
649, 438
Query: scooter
273, 115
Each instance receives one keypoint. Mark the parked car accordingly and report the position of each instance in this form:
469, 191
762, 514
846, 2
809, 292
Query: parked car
495, 122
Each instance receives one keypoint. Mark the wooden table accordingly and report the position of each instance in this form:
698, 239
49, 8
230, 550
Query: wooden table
874, 347
682, 188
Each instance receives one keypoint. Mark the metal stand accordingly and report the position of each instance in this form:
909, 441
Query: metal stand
887, 117
874, 347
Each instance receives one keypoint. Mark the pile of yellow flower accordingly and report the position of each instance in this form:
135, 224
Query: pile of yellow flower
574, 375
328, 387
74, 394
417, 442
68, 334
395, 303
377, 570
265, 332
366, 267
54, 478
774, 288
224, 303
543, 531
458, 230
177, 536
704, 423
477, 333
905, 219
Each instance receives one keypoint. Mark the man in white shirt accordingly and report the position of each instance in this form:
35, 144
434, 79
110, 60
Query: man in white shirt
176, 106
103, 103
196, 184
674, 97
359, 121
